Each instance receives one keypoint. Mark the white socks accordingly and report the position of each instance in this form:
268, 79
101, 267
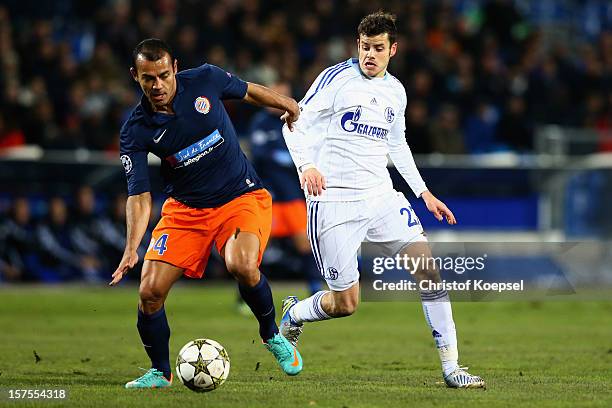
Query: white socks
439, 316
309, 309
438, 313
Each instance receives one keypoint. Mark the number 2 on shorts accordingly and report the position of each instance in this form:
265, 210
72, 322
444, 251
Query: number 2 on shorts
411, 222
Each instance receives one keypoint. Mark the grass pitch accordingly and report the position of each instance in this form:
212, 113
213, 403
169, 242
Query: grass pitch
531, 354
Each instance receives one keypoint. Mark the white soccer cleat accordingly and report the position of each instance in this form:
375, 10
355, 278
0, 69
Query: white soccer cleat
290, 330
460, 378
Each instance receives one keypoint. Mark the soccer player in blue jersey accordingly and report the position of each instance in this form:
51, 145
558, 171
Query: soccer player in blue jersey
215, 196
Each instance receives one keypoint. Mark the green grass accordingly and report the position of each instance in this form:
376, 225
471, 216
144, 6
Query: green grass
534, 354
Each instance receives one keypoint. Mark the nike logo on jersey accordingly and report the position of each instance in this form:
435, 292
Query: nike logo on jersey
157, 139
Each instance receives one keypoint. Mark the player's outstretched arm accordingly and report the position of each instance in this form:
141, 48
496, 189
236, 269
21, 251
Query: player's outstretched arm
260, 95
438, 208
138, 211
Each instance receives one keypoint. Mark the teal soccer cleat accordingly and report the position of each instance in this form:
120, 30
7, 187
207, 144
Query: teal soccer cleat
151, 379
290, 330
286, 354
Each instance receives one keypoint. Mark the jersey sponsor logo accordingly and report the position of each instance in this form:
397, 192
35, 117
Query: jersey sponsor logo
196, 151
127, 163
350, 123
202, 104
374, 102
389, 114
158, 138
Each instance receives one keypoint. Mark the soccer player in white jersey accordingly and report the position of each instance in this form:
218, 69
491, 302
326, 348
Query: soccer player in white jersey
351, 118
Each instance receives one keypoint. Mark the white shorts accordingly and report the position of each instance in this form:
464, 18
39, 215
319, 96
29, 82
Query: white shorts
337, 229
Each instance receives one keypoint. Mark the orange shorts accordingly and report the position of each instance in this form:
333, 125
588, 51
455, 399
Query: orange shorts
288, 218
184, 236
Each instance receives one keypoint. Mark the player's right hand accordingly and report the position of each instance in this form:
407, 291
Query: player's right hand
313, 181
129, 260
292, 114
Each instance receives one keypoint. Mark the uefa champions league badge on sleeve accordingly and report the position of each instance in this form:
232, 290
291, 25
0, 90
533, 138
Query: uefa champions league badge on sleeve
473, 271
127, 163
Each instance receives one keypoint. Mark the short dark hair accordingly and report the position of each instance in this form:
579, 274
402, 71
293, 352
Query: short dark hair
152, 49
378, 23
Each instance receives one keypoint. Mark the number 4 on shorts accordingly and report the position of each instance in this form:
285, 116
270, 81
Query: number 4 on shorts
160, 244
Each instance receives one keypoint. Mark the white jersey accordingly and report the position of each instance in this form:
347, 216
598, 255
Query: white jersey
348, 125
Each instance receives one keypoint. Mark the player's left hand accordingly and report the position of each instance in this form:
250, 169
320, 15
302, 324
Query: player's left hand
438, 208
291, 114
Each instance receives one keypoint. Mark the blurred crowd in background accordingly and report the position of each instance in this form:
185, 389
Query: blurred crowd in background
480, 75
63, 238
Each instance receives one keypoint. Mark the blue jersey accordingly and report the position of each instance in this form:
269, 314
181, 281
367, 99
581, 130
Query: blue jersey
272, 159
202, 165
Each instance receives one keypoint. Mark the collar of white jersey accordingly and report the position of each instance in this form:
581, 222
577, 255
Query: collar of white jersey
355, 64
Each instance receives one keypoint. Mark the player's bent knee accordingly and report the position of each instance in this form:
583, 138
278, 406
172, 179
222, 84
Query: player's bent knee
241, 267
245, 270
151, 296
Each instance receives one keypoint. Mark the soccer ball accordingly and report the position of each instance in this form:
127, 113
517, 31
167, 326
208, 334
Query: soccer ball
202, 365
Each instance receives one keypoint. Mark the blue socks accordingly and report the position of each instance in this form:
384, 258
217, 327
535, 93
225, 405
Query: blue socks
155, 332
155, 335
259, 299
